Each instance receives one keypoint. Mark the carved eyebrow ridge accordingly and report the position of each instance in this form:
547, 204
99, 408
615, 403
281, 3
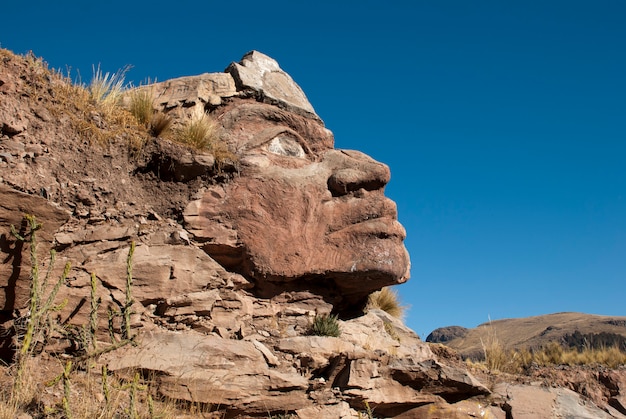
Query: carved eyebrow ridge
268, 134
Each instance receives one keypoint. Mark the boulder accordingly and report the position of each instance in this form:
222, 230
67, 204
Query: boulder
208, 369
464, 409
189, 97
263, 76
527, 401
445, 334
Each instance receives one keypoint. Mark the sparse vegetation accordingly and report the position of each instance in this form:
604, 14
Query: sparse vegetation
200, 133
497, 358
391, 331
142, 107
37, 320
160, 123
387, 300
78, 389
368, 413
326, 325
106, 88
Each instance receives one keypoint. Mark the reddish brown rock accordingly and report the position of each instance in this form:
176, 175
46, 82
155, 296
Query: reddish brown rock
15, 269
461, 410
303, 212
232, 262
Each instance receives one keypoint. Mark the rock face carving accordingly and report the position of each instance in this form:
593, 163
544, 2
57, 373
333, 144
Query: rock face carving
230, 268
304, 213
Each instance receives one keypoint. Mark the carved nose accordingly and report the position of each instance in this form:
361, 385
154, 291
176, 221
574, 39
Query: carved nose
354, 171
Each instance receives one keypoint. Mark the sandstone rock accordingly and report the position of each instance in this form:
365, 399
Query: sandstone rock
340, 411
315, 352
15, 267
345, 239
263, 75
379, 331
12, 122
432, 377
188, 97
615, 381
160, 272
229, 373
232, 263
461, 410
390, 398
271, 359
526, 402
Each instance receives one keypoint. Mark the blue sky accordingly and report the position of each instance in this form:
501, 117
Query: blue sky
503, 122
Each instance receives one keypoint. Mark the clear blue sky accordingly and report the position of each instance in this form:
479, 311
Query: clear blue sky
503, 122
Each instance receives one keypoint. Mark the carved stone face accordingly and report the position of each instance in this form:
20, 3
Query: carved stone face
301, 209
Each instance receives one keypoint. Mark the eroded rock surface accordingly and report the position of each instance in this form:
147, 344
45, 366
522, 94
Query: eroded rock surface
232, 261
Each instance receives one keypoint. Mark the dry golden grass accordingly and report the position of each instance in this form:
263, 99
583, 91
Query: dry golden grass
90, 394
14, 396
93, 112
387, 300
515, 361
106, 89
199, 133
141, 105
160, 124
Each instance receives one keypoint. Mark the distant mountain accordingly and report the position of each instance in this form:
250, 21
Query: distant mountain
570, 329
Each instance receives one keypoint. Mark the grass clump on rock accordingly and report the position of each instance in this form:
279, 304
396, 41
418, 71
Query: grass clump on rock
326, 325
387, 300
142, 107
200, 133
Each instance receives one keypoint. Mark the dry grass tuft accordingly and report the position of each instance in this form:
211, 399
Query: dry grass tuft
106, 88
14, 399
142, 108
93, 113
141, 105
160, 123
515, 361
387, 300
200, 133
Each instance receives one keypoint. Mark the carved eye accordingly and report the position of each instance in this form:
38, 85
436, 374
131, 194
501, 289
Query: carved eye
285, 145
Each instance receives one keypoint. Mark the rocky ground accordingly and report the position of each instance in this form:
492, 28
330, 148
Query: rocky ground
205, 330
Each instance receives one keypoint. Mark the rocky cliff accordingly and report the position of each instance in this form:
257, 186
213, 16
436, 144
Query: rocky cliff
204, 268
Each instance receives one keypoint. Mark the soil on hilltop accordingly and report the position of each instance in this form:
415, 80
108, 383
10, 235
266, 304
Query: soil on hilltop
113, 168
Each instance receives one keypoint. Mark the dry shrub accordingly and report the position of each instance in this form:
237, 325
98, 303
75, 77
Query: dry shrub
13, 398
200, 133
98, 121
500, 359
106, 88
142, 108
387, 300
160, 123
141, 105
555, 354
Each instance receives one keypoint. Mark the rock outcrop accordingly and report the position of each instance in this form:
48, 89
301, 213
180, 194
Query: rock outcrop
230, 262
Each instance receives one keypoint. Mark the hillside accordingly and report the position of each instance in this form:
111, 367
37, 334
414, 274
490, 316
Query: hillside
215, 256
575, 330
